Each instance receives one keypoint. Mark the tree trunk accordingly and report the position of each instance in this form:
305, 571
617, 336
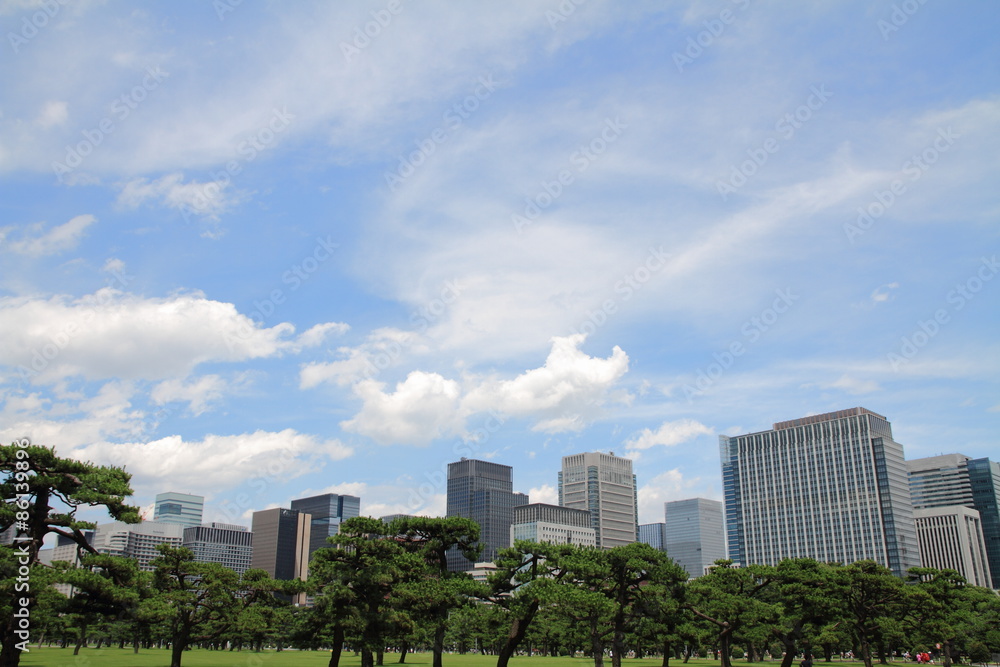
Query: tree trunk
725, 646
80, 639
596, 646
789, 657
403, 650
439, 642
518, 628
666, 653
338, 646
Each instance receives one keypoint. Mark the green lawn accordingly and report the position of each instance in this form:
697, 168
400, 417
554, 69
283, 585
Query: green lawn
114, 657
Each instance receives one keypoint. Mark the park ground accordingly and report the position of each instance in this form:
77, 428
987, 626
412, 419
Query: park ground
115, 657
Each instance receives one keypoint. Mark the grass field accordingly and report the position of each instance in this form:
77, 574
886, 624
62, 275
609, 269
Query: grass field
114, 657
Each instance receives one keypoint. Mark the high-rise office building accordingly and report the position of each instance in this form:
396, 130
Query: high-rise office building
552, 524
281, 544
831, 487
180, 508
602, 484
957, 480
951, 537
226, 544
137, 540
694, 533
653, 534
484, 492
327, 512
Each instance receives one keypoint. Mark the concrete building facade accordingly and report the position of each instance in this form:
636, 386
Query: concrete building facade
552, 524
604, 485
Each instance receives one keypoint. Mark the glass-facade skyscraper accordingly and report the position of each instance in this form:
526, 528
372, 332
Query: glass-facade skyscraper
484, 492
327, 512
957, 480
694, 533
831, 487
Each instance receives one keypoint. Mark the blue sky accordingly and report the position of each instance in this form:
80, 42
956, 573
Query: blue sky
262, 250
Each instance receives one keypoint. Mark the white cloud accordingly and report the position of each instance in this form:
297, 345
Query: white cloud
883, 293
115, 334
382, 349
423, 407
562, 395
217, 462
546, 493
34, 242
669, 485
668, 434
53, 113
207, 200
199, 394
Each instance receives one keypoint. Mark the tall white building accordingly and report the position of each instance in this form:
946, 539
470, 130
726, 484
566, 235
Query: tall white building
694, 533
604, 485
831, 487
552, 524
951, 537
223, 543
137, 540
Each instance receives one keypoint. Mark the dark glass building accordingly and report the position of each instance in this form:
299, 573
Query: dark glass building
484, 492
327, 512
281, 543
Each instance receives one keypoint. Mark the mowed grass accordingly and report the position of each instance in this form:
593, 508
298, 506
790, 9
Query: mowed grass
115, 657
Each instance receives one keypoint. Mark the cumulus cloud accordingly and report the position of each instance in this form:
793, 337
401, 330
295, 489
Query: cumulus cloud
668, 434
114, 334
382, 349
546, 493
217, 461
562, 394
421, 408
34, 241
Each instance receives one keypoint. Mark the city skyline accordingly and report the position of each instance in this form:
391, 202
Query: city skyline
265, 252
